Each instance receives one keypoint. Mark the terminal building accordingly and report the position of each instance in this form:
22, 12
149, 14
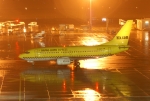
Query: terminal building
9, 27
33, 27
143, 24
17, 27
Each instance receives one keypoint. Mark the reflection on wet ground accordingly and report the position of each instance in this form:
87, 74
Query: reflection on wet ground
121, 77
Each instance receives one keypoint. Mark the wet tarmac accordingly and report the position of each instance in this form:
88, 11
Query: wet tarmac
121, 77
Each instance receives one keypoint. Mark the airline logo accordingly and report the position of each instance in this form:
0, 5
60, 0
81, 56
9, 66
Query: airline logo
53, 49
122, 37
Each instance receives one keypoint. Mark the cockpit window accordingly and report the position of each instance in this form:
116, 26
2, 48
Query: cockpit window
27, 52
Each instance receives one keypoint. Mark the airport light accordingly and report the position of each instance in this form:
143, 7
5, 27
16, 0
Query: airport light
17, 21
104, 19
107, 21
24, 30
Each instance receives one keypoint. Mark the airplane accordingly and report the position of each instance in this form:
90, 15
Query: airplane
67, 55
39, 35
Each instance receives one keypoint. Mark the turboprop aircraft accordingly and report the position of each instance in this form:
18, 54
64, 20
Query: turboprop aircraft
65, 55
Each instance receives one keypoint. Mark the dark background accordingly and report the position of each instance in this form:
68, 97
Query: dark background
68, 11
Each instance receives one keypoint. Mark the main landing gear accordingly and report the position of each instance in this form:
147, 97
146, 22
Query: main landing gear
76, 64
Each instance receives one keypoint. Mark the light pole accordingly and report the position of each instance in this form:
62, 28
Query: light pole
90, 20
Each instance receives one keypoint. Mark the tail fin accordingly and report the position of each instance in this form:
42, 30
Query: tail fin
122, 36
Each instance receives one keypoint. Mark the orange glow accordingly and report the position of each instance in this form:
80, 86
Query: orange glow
64, 85
71, 66
146, 36
52, 62
94, 63
142, 36
87, 94
90, 41
89, 64
72, 76
17, 20
90, 95
2, 73
97, 86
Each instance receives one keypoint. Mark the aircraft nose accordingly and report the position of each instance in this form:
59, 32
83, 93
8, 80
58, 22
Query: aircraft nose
20, 56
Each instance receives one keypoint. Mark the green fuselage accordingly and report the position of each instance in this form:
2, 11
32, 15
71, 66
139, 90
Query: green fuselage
73, 52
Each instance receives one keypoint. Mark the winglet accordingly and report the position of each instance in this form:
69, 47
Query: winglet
122, 36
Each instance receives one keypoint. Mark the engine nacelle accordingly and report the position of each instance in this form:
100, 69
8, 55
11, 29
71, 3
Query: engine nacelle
63, 61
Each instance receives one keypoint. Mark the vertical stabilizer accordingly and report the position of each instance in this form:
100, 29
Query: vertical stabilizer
122, 37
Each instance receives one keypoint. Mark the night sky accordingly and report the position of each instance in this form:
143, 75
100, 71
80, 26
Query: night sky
76, 9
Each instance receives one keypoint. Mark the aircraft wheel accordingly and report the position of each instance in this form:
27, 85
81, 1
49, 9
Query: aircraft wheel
77, 65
